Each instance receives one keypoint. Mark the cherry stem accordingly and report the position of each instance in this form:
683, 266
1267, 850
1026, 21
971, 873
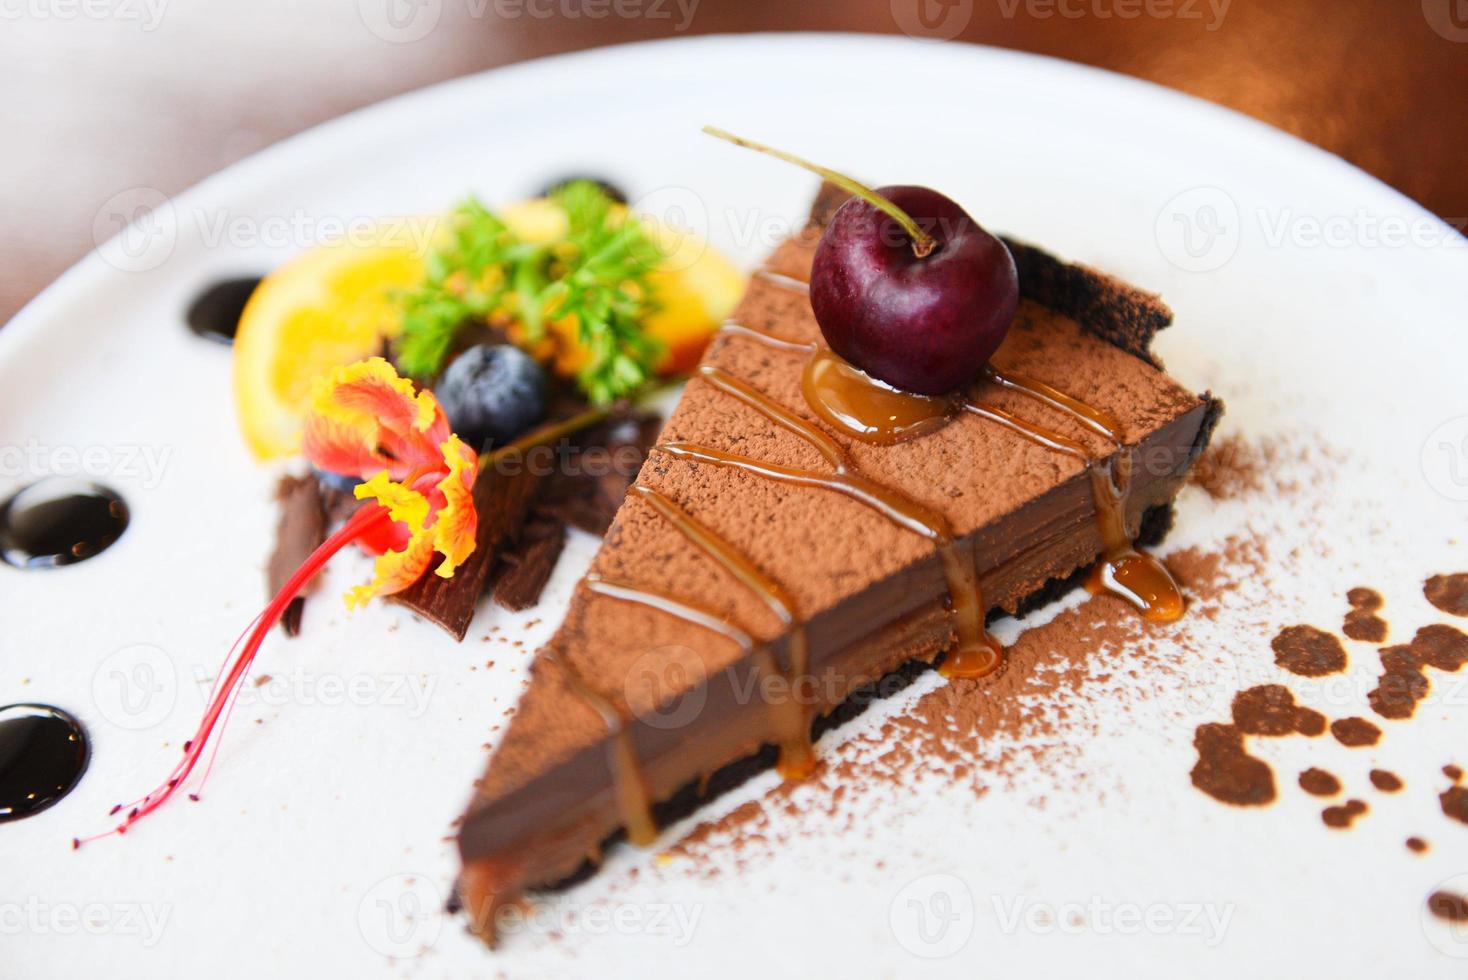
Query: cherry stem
922, 243
237, 664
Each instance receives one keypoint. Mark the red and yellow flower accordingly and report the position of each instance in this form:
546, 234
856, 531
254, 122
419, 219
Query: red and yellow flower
368, 423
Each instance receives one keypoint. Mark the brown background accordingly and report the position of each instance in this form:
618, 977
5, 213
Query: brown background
105, 95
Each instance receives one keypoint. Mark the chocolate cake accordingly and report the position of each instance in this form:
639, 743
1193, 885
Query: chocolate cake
766, 573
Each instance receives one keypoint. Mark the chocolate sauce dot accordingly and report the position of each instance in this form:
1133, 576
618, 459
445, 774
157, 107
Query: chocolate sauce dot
1341, 817
43, 753
1355, 732
215, 313
59, 522
1448, 593
1416, 845
1387, 782
1318, 782
1453, 772
1454, 802
1446, 905
1308, 651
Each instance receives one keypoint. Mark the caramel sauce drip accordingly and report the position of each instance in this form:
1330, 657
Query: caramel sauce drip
863, 407
630, 789
792, 719
769, 340
1136, 576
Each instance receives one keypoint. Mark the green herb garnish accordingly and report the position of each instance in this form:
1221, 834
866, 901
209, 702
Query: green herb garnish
597, 274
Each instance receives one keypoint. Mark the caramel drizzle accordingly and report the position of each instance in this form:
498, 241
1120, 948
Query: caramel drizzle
783, 281
792, 719
769, 340
1135, 576
977, 652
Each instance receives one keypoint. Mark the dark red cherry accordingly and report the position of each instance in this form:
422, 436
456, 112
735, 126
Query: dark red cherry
925, 323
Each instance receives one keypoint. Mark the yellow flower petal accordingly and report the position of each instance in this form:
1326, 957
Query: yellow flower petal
396, 570
456, 526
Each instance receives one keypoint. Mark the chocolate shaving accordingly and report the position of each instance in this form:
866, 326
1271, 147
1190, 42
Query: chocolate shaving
523, 572
300, 531
501, 500
586, 491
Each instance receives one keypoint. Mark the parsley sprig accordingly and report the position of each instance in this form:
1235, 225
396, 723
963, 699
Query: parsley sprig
596, 274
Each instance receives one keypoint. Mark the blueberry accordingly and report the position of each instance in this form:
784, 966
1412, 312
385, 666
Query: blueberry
492, 393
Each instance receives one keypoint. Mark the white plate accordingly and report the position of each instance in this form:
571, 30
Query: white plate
327, 820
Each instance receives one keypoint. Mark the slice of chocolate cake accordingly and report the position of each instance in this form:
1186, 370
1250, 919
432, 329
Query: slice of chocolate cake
766, 572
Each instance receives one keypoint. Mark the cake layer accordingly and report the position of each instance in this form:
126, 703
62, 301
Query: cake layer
632, 697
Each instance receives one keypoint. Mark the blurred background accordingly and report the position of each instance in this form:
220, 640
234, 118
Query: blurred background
108, 95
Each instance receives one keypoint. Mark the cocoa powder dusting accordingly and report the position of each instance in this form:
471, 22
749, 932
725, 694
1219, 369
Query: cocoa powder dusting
1341, 817
1318, 782
1362, 622
1232, 467
1448, 593
1387, 782
1308, 651
1355, 732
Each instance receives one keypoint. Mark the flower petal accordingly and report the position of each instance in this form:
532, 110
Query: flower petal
381, 410
396, 570
456, 524
339, 447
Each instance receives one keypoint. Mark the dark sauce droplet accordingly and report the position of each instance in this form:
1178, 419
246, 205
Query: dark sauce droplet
43, 753
59, 522
215, 313
608, 188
